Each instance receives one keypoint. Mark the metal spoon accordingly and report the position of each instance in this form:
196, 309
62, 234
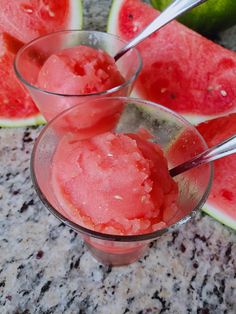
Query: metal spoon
223, 149
171, 12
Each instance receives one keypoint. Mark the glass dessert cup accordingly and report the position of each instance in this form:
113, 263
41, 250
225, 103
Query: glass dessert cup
31, 57
178, 138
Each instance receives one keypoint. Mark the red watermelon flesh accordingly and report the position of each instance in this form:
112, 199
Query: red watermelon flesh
222, 201
20, 22
12, 93
26, 19
181, 69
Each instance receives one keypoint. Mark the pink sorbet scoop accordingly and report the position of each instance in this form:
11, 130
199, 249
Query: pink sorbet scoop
79, 70
114, 183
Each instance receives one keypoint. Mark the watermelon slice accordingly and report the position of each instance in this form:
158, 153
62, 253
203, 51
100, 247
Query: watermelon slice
221, 203
20, 22
181, 69
26, 20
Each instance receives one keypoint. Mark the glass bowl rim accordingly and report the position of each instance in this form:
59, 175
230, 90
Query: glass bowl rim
108, 91
112, 237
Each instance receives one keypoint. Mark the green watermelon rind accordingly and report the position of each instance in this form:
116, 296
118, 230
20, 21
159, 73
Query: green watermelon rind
14, 123
218, 215
208, 19
76, 22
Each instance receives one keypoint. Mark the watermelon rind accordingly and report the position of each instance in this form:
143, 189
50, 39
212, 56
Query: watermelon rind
76, 13
76, 22
37, 119
218, 215
112, 18
198, 118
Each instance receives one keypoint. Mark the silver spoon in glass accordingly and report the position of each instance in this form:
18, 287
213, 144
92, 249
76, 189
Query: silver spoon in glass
171, 12
223, 149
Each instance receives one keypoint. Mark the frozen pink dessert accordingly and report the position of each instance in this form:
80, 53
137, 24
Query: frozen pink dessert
114, 183
79, 70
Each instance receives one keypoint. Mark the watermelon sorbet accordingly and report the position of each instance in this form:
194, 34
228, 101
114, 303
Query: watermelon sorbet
79, 70
114, 183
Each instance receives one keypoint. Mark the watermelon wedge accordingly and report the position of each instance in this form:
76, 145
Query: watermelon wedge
221, 203
181, 69
20, 22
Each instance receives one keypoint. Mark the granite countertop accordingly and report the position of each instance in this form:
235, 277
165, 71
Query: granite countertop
45, 268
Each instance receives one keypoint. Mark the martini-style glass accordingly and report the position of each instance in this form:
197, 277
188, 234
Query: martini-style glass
31, 57
179, 140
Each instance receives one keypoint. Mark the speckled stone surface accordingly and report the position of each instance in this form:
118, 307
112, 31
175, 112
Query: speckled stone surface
45, 268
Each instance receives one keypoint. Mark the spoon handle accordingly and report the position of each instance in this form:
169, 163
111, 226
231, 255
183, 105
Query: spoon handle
171, 12
223, 149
